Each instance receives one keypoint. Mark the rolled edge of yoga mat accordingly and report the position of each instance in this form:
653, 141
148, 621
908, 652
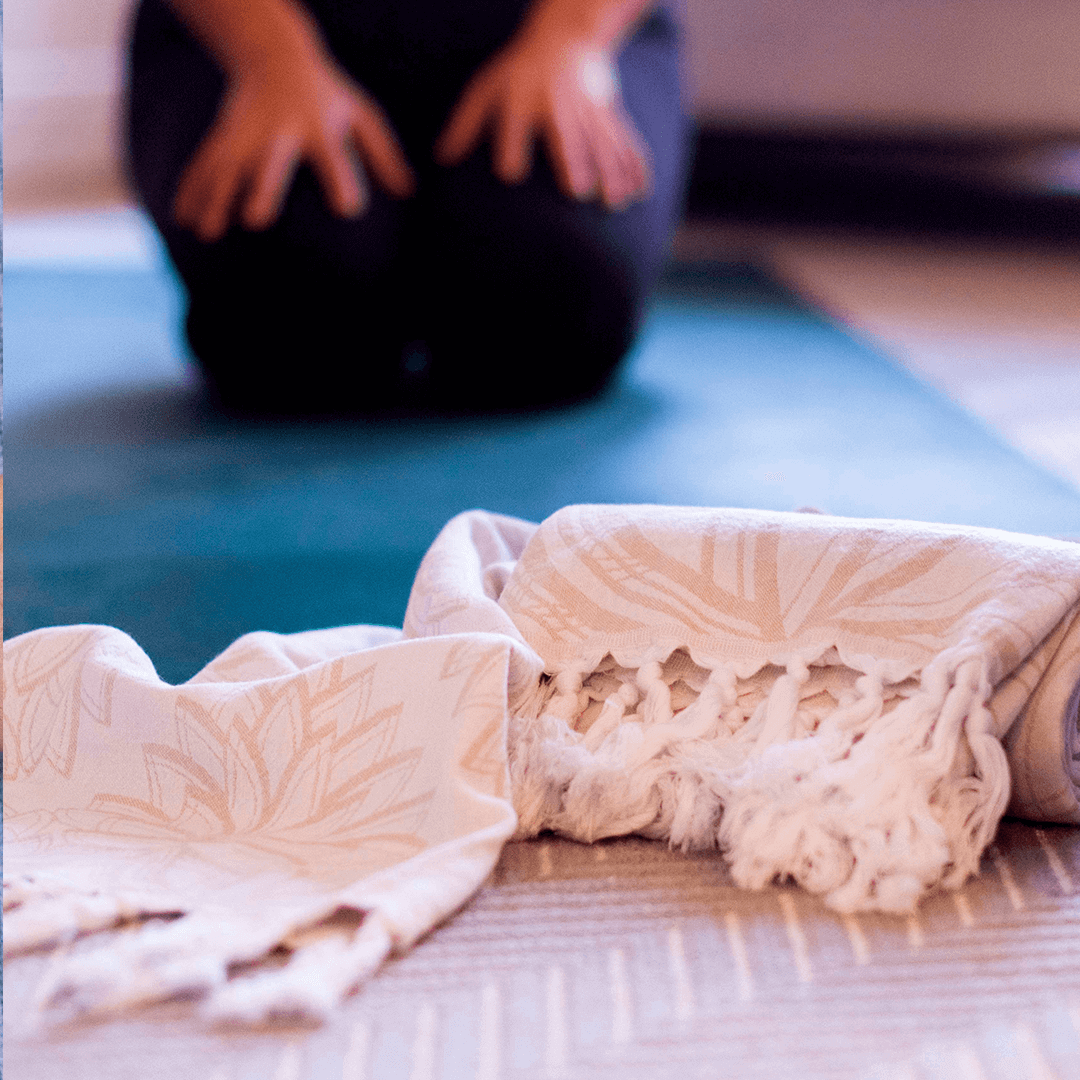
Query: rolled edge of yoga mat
1043, 745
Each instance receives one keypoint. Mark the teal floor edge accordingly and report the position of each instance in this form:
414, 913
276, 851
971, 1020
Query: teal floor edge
127, 502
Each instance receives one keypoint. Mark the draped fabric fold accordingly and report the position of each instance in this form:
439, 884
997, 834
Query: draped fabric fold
848, 703
294, 782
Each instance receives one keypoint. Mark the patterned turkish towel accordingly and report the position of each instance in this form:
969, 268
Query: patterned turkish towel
292, 785
822, 698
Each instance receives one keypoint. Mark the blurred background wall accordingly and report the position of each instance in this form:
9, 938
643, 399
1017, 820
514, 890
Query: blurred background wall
946, 67
986, 66
63, 69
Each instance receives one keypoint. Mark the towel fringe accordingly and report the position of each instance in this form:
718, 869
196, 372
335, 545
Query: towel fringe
871, 797
194, 954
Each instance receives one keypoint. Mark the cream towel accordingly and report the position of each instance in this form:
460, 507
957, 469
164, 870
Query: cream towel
823, 698
819, 697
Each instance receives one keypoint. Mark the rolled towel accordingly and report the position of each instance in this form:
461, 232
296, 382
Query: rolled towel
878, 666
1043, 744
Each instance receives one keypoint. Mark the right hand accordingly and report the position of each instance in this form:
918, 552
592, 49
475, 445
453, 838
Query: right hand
293, 108
553, 83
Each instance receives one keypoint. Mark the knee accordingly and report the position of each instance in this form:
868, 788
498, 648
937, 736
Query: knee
582, 308
287, 326
562, 308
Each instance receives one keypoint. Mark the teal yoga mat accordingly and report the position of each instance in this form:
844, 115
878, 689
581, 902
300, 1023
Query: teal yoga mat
128, 502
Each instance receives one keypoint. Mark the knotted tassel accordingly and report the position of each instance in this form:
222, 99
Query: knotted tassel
611, 715
657, 706
566, 703
698, 720
783, 701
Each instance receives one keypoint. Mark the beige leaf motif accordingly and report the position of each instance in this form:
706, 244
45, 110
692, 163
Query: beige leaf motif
485, 755
288, 769
485, 758
842, 595
642, 573
47, 684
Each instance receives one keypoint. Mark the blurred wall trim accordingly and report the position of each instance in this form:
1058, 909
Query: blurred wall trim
1020, 184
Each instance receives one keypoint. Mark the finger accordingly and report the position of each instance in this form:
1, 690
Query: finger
193, 188
621, 163
640, 160
615, 181
209, 194
382, 153
218, 211
513, 144
209, 188
620, 158
270, 182
467, 121
338, 172
602, 143
573, 162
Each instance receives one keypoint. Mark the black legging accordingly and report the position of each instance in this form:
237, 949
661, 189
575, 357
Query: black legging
501, 296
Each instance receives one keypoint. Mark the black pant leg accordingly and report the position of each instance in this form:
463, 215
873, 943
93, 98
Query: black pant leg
280, 319
526, 282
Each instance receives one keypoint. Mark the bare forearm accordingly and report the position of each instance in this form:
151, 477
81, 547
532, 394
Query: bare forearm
244, 35
603, 23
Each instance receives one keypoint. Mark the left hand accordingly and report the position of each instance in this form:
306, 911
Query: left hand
565, 89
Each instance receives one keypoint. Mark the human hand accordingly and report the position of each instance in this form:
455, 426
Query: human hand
290, 109
565, 89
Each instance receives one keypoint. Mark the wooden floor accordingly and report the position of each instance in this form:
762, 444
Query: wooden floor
625, 961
